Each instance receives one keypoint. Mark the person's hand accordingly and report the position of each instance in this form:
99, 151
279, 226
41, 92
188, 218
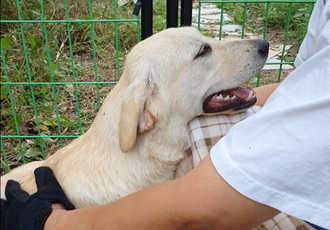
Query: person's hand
24, 211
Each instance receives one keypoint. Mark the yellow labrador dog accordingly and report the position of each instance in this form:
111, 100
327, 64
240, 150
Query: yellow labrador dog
138, 136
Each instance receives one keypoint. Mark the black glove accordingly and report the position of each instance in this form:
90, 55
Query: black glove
29, 212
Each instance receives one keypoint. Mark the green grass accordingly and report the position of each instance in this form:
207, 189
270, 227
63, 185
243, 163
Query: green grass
277, 17
159, 16
56, 65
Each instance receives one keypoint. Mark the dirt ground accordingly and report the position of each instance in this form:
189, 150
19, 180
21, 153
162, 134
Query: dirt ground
276, 36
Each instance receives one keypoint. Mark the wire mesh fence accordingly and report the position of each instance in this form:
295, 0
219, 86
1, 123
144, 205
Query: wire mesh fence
60, 59
49, 44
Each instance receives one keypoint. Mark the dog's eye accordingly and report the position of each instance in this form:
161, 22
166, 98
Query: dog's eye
203, 50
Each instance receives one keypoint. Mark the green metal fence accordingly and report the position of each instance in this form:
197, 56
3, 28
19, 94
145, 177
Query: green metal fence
14, 143
49, 94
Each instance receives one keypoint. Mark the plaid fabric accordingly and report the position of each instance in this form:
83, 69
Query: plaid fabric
205, 132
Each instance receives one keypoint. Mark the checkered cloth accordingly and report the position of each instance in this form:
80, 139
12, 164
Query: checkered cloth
205, 132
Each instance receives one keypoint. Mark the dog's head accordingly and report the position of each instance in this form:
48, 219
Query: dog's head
179, 74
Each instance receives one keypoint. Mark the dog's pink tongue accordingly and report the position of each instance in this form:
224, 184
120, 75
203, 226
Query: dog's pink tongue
240, 92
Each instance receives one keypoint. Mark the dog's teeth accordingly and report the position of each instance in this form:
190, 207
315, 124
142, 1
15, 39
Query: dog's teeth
233, 97
220, 96
250, 95
227, 98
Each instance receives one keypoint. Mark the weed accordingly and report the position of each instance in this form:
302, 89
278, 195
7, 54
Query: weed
49, 54
277, 17
159, 18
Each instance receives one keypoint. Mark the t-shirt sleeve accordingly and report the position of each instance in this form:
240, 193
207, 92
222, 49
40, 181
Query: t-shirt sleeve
314, 40
281, 155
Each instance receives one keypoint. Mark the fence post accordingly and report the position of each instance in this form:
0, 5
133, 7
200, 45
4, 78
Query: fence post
186, 12
146, 19
171, 13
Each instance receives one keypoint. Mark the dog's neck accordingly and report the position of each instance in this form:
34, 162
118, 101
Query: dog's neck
165, 145
153, 158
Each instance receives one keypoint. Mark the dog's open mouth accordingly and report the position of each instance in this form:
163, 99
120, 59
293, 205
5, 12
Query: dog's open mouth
231, 99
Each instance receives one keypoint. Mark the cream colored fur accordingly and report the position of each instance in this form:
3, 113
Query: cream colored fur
138, 136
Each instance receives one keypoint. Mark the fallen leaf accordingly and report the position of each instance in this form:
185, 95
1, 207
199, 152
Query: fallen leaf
29, 142
43, 127
33, 152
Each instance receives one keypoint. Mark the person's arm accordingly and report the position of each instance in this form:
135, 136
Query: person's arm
263, 93
201, 199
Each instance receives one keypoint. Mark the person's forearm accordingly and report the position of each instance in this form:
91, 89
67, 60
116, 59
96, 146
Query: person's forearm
146, 210
263, 93
201, 199
76, 219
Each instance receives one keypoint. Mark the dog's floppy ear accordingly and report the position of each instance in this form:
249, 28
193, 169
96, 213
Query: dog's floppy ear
134, 117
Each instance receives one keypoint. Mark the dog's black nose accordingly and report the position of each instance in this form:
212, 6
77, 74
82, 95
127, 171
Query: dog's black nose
263, 47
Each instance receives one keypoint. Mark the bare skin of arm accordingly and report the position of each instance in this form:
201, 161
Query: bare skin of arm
201, 199
263, 93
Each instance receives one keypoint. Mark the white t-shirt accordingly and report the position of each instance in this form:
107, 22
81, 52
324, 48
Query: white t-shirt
281, 155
